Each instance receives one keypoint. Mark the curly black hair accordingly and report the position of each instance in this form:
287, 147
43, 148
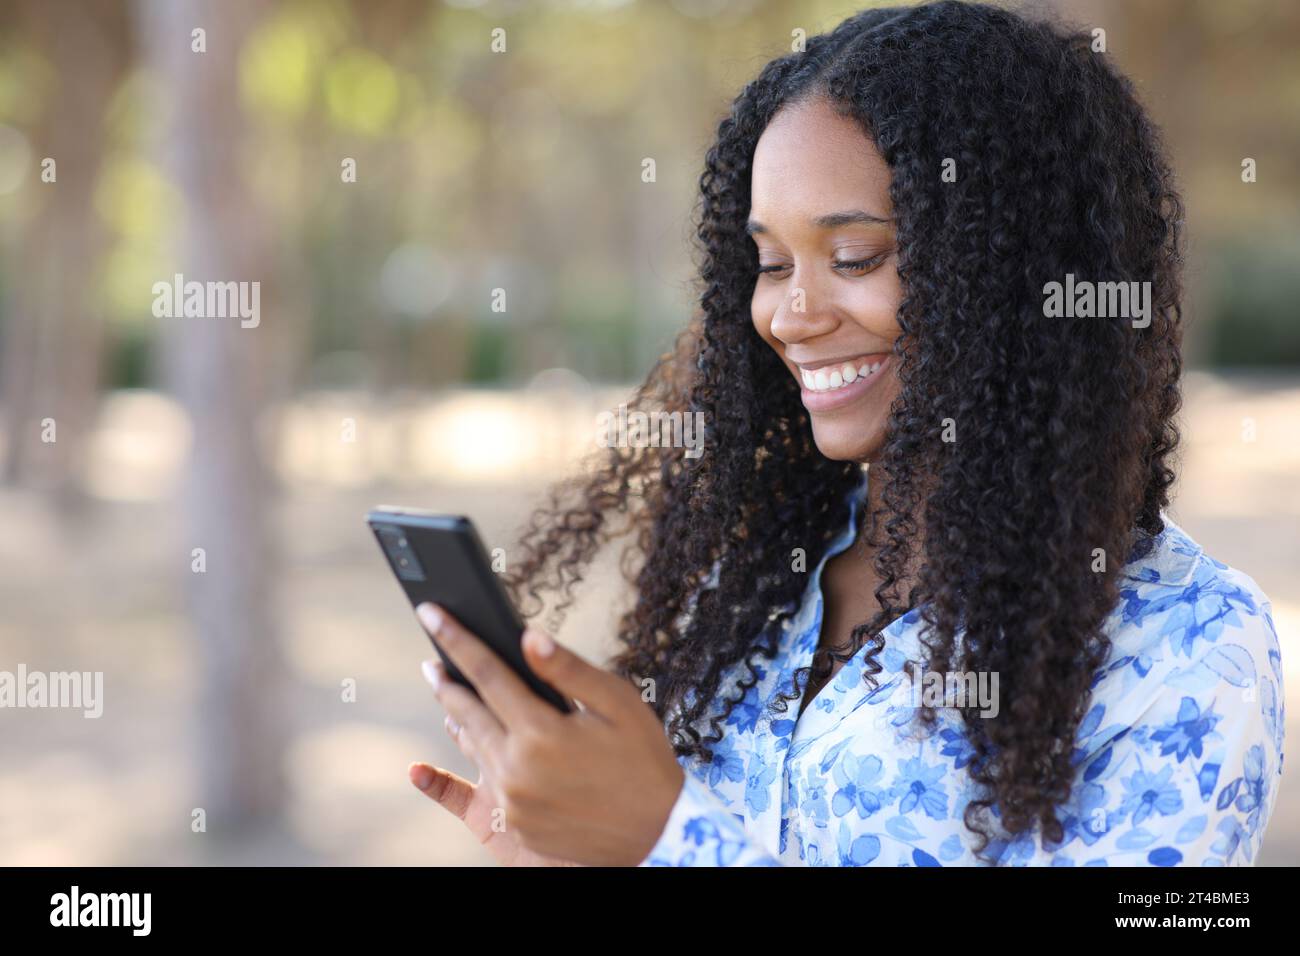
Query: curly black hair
1065, 426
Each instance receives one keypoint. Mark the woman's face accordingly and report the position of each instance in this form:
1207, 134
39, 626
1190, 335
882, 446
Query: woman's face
827, 294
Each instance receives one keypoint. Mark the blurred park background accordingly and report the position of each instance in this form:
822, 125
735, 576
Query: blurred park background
380, 169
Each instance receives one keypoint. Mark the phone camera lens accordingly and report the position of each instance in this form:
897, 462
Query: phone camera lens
398, 546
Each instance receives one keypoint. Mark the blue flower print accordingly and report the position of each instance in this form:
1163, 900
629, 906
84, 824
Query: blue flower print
812, 801
1200, 612
919, 787
1187, 733
1148, 793
855, 778
859, 850
1248, 790
1090, 822
744, 716
957, 746
726, 763
758, 784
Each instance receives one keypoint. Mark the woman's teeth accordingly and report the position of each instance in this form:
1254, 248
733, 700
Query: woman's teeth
832, 377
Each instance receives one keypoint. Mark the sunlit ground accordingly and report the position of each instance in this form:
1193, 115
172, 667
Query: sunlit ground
107, 596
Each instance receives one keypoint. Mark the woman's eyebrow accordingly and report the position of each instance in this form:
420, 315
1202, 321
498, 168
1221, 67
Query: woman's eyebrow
831, 220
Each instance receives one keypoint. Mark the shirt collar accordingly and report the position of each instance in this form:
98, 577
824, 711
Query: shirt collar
1169, 558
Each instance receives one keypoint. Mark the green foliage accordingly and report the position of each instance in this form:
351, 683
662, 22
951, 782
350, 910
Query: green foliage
130, 358
1252, 313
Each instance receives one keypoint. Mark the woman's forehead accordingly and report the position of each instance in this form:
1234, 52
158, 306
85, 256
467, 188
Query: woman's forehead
811, 160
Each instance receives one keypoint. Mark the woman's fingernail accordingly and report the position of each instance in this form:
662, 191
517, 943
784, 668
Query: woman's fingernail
543, 646
431, 674
421, 776
430, 617
453, 728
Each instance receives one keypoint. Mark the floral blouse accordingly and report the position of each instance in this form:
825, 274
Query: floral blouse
1178, 758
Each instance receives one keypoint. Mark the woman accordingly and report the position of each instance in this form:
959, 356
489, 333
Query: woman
1000, 649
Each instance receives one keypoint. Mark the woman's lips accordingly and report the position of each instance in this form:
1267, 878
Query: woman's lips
819, 401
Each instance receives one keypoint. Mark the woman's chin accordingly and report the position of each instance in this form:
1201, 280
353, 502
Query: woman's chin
843, 442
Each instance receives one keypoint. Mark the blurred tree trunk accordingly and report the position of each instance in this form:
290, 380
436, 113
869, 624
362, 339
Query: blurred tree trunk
54, 336
220, 372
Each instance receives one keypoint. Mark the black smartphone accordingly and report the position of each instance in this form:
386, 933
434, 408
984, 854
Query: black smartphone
440, 558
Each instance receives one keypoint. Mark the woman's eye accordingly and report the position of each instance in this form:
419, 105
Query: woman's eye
859, 266
853, 268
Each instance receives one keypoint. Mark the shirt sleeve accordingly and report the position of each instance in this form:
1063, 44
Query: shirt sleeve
1192, 781
701, 831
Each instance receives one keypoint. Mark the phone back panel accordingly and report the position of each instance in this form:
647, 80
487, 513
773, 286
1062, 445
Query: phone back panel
450, 568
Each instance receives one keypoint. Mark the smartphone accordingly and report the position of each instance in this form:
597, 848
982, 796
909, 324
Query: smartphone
440, 558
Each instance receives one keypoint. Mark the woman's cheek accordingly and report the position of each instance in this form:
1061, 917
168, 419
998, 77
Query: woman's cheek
875, 308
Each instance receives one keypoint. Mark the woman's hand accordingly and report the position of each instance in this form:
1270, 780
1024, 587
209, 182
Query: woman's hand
594, 786
474, 805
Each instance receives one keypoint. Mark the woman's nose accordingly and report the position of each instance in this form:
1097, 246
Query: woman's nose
803, 314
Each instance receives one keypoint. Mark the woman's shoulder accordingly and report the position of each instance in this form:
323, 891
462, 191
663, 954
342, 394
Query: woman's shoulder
1178, 601
1195, 663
